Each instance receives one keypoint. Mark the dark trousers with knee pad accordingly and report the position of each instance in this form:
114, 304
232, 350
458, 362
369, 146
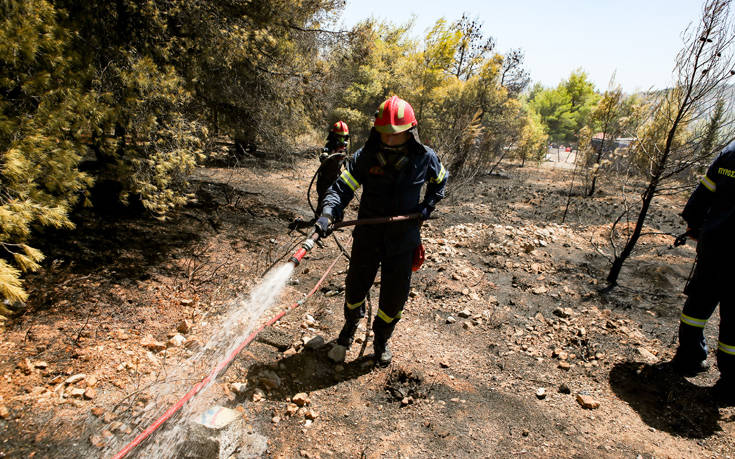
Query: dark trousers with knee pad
709, 287
395, 271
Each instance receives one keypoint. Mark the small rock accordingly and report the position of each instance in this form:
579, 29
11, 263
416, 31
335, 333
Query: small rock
587, 402
292, 409
563, 355
77, 392
451, 320
464, 313
405, 401
151, 344
91, 381
466, 325
315, 343
311, 414
564, 389
177, 340
540, 393
492, 300
187, 301
564, 365
238, 388
647, 355
269, 379
4, 412
184, 326
108, 417
444, 364
258, 395
41, 365
301, 399
90, 393
26, 366
276, 419
76, 378
563, 312
539, 290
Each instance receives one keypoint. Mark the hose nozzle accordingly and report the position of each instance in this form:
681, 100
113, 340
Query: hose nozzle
307, 245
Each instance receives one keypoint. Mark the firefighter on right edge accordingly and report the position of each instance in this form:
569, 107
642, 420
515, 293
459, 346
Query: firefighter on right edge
710, 217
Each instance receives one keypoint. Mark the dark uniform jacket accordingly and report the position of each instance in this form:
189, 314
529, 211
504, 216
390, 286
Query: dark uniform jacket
711, 208
710, 212
391, 186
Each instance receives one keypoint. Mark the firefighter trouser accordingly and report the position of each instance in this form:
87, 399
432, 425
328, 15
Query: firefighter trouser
394, 286
700, 305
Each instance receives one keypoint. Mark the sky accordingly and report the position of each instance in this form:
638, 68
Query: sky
636, 40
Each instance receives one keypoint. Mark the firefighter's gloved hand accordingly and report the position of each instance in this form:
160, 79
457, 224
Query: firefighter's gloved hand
426, 211
323, 226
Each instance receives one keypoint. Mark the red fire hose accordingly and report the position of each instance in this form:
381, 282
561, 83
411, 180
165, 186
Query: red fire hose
213, 374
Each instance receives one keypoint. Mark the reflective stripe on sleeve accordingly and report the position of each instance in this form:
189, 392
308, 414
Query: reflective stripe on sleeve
699, 323
727, 349
386, 318
440, 177
349, 180
709, 184
356, 305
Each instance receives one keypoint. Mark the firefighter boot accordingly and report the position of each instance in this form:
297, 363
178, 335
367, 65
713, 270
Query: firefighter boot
344, 341
383, 331
688, 366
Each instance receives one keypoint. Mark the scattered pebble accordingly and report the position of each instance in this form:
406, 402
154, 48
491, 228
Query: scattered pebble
587, 402
301, 399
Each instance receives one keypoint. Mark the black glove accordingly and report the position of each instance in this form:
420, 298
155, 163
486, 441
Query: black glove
323, 226
425, 211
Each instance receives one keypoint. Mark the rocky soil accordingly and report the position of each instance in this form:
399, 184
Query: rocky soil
506, 346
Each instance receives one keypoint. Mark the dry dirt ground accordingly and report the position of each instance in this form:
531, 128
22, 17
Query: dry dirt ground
503, 335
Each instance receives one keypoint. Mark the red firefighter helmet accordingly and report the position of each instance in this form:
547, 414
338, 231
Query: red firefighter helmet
394, 115
340, 128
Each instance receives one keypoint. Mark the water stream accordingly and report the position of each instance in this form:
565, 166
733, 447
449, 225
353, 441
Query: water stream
240, 318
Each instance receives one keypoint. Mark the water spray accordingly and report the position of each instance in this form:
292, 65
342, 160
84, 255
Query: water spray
295, 259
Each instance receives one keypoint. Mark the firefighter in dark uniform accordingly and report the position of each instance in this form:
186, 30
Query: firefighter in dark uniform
710, 216
333, 155
391, 167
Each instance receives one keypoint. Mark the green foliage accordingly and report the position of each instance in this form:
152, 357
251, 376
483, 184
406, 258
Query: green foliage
565, 109
533, 139
40, 103
453, 81
134, 87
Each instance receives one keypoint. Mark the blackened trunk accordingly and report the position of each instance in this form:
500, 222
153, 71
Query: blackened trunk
612, 277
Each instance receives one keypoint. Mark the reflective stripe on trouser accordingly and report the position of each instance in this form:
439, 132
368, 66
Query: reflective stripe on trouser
700, 305
395, 284
697, 309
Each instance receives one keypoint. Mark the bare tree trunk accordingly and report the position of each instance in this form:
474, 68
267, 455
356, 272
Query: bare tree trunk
591, 191
612, 277
492, 169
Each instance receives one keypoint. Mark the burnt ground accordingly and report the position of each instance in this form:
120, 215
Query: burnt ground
504, 329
